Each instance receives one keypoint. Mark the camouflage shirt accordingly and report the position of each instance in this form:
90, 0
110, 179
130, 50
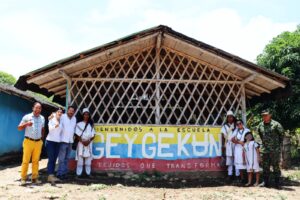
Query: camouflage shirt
271, 135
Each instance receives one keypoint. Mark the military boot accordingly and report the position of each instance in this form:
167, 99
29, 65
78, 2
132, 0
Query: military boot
266, 181
277, 183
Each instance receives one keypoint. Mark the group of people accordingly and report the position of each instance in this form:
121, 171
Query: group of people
243, 153
241, 150
63, 128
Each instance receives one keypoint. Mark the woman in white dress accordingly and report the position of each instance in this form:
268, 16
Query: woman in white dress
238, 138
252, 157
227, 131
85, 133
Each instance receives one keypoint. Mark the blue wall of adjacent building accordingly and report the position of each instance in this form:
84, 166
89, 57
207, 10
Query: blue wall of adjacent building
12, 109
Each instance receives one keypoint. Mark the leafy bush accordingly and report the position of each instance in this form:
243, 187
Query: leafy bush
7, 78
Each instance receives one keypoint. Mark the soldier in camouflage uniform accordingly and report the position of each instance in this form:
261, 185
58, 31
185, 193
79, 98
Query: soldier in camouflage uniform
271, 134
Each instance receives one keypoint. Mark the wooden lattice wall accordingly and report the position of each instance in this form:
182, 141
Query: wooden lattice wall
157, 86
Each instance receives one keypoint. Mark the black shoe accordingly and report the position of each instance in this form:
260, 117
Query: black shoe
266, 183
79, 176
237, 180
89, 176
61, 177
229, 179
277, 183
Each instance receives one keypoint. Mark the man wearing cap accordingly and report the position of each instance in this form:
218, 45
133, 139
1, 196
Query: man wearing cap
67, 124
271, 134
226, 131
33, 124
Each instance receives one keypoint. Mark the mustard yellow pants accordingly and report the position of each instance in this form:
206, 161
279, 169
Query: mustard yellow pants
31, 150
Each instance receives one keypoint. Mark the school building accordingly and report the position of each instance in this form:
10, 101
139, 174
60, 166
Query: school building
158, 98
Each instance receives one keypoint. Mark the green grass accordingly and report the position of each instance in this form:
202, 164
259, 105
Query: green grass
64, 197
96, 187
282, 197
295, 176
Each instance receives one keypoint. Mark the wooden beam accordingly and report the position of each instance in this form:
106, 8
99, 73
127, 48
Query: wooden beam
57, 88
282, 85
251, 92
259, 87
154, 80
196, 59
249, 78
252, 77
157, 85
90, 67
61, 92
54, 83
203, 51
248, 91
243, 96
225, 72
131, 46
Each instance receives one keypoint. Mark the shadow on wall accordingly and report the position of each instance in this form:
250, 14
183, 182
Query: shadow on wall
12, 109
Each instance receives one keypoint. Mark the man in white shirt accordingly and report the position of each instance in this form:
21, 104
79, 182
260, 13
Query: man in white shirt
68, 123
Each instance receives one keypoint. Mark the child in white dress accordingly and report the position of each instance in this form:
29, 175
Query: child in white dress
252, 158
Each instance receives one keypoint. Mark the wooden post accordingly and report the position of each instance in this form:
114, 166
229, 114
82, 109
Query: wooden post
67, 96
286, 152
243, 96
68, 86
157, 85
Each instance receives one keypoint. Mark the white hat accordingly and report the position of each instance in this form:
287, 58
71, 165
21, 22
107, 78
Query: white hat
229, 113
85, 110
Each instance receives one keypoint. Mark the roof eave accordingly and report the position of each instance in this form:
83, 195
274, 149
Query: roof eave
22, 82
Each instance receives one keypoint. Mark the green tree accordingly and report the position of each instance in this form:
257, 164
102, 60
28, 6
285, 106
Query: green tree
7, 78
282, 55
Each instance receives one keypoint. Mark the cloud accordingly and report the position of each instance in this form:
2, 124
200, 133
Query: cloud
223, 28
116, 9
31, 39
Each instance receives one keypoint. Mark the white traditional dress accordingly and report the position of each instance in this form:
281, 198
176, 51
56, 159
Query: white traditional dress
252, 161
227, 131
84, 154
238, 148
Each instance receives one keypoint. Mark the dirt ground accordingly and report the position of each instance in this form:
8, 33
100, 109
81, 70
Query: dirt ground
102, 187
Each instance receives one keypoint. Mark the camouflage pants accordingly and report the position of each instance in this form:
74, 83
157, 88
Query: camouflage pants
271, 159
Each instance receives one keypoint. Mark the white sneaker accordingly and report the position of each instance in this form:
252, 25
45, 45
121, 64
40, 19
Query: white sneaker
23, 182
36, 181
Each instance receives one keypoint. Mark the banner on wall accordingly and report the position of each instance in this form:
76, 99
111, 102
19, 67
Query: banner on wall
164, 149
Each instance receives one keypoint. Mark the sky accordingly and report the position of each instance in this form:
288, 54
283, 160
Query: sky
34, 33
